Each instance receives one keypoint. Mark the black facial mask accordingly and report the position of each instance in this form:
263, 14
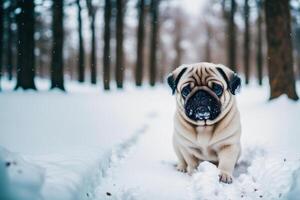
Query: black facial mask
202, 106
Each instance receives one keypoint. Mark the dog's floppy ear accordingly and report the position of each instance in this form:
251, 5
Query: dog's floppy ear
231, 78
174, 77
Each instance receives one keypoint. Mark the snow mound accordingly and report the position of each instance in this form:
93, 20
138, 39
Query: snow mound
18, 178
258, 175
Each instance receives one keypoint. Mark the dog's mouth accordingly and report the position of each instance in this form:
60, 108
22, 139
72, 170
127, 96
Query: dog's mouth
202, 106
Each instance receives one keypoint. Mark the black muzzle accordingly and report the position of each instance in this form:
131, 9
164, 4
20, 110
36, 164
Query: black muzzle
202, 106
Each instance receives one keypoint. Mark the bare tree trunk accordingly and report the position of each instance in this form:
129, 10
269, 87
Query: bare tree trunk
57, 76
177, 41
106, 50
140, 45
93, 62
81, 47
259, 57
207, 43
1, 37
119, 46
232, 38
93, 53
280, 58
26, 58
246, 42
9, 44
298, 65
163, 62
154, 34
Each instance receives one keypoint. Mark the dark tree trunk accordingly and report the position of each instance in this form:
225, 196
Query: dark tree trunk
119, 46
81, 47
232, 38
57, 76
106, 50
298, 64
140, 44
1, 37
154, 34
9, 45
93, 62
246, 42
280, 59
93, 53
26, 58
259, 56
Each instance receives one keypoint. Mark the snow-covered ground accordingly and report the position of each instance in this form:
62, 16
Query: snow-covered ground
90, 144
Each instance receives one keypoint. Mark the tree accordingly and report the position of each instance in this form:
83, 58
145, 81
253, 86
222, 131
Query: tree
247, 40
1, 37
92, 15
106, 50
280, 59
259, 56
26, 58
297, 44
154, 36
57, 76
9, 43
119, 46
178, 33
81, 47
140, 44
208, 41
232, 37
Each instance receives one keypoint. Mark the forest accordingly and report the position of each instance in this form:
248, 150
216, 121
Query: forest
86, 112
112, 41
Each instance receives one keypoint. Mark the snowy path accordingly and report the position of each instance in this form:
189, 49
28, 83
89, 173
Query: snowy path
147, 171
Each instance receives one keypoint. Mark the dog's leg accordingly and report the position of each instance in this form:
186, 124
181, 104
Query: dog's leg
228, 156
181, 166
191, 160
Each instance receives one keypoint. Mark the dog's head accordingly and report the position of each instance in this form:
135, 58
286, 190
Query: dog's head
204, 91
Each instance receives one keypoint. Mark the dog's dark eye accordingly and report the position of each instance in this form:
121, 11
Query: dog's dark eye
185, 91
217, 89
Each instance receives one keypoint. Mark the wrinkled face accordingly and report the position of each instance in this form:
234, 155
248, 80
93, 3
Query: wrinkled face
202, 92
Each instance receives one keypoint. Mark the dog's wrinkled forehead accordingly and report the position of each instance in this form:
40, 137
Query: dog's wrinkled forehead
200, 74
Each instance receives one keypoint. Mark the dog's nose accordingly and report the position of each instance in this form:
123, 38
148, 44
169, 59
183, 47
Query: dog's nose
202, 112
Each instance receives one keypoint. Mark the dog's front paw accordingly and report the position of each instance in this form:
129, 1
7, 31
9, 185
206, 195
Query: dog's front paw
225, 177
181, 167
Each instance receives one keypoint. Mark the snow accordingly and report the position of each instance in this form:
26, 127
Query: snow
19, 179
91, 144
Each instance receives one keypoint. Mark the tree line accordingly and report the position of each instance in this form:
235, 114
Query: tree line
279, 44
276, 41
22, 13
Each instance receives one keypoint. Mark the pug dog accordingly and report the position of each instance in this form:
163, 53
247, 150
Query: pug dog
207, 121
